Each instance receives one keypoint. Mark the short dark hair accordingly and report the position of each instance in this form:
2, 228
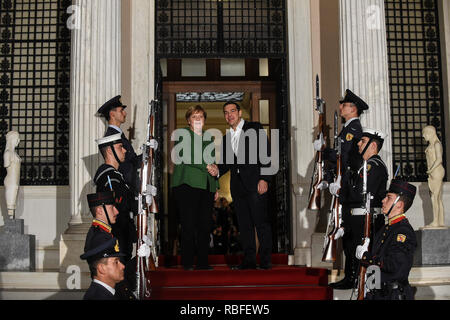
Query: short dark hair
232, 102
379, 144
407, 203
94, 264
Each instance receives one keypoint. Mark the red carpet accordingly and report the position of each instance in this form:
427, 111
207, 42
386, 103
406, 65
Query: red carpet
282, 282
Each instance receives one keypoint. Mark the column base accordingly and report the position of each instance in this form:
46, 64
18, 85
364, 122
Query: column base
71, 245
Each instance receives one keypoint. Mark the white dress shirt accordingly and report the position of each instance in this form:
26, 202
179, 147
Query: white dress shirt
235, 135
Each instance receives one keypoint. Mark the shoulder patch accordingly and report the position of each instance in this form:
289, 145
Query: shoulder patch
369, 166
349, 137
401, 238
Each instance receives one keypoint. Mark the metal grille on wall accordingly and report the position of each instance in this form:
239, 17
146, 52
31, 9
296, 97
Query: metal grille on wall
220, 28
34, 87
416, 82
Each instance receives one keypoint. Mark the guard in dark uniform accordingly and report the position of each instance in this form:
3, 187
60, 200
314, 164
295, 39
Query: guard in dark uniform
393, 246
115, 114
351, 107
353, 202
102, 206
105, 213
103, 256
108, 178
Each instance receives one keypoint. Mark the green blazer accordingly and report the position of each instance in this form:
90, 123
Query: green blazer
190, 168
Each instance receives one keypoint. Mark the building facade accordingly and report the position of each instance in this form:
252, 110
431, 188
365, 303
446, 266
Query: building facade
392, 53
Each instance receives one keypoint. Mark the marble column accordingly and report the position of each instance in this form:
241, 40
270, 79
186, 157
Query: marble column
142, 65
95, 78
364, 64
302, 116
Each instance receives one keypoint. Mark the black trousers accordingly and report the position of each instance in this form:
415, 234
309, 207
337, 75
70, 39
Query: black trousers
251, 212
195, 212
353, 237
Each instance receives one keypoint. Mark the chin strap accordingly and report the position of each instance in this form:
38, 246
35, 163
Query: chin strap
107, 215
115, 154
367, 147
393, 205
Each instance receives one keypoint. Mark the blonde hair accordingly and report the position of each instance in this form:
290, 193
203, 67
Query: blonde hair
195, 109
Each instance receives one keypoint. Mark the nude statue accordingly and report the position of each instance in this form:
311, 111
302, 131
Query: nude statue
11, 162
436, 173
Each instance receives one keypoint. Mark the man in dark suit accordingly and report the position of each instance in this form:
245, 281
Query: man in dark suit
249, 184
115, 114
103, 256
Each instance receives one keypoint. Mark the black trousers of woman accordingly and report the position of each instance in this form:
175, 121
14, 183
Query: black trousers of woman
195, 213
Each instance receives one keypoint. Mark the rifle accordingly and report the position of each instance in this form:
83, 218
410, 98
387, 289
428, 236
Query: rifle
367, 228
147, 208
317, 178
334, 221
132, 128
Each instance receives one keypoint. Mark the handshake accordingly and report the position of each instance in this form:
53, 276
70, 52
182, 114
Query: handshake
213, 170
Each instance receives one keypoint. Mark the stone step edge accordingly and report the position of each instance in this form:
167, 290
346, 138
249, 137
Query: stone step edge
46, 280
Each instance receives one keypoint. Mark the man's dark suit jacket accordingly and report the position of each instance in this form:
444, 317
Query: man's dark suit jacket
246, 167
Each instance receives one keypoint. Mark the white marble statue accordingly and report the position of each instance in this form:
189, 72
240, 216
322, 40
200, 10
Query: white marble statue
436, 173
11, 161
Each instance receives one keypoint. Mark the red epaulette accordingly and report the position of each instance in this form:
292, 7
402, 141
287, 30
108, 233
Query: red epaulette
105, 227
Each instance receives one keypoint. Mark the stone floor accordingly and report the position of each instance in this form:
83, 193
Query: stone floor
441, 292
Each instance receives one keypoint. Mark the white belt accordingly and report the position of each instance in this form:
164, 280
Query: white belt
362, 211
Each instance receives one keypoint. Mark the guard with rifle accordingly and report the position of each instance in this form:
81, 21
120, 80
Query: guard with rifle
147, 227
317, 180
393, 246
350, 109
114, 113
354, 202
108, 178
334, 231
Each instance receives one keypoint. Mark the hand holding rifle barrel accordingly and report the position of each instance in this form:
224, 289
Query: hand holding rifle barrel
317, 181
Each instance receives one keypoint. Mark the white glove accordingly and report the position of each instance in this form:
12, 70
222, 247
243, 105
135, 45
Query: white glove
323, 185
153, 144
335, 187
360, 250
147, 240
339, 233
144, 251
151, 190
148, 199
319, 144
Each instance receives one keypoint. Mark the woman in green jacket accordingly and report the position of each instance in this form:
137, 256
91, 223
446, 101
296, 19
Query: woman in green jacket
194, 189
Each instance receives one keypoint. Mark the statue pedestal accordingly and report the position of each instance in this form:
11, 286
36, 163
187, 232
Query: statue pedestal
17, 250
432, 247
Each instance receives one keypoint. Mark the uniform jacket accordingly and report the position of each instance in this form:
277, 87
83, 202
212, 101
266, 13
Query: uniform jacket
132, 162
393, 251
98, 292
350, 136
377, 177
124, 228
